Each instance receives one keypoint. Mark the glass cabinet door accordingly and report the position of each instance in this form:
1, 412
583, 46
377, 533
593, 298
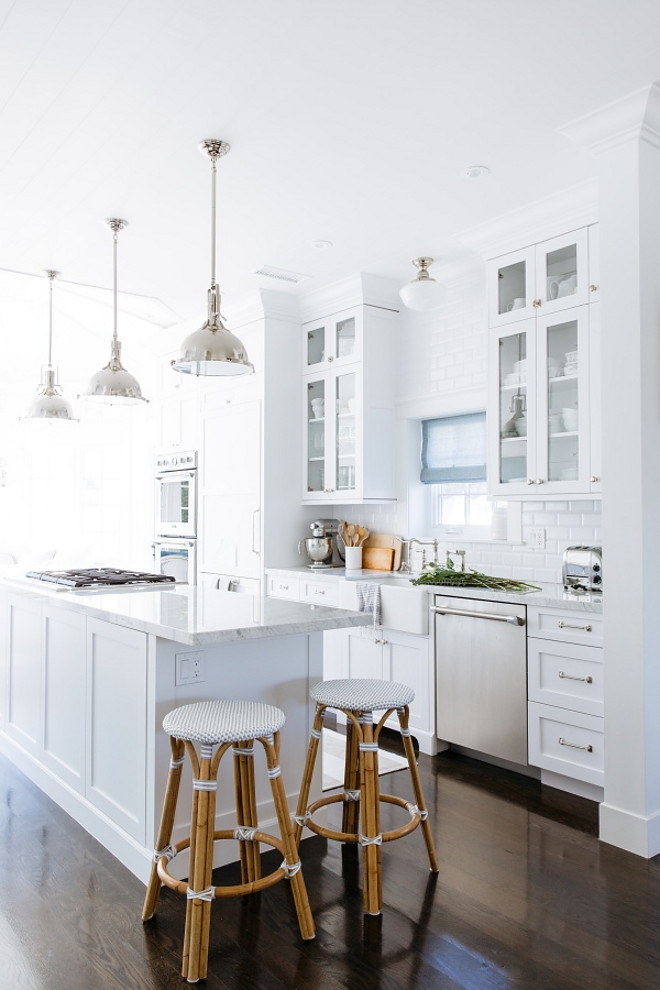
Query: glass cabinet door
511, 287
563, 385
516, 381
562, 272
315, 345
345, 431
344, 331
316, 442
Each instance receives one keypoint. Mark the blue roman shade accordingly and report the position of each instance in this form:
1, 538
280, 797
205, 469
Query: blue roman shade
454, 449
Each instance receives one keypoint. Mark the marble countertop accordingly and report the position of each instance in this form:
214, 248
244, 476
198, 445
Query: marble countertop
550, 595
196, 616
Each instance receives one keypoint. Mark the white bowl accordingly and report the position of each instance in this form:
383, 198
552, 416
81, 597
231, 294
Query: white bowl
570, 419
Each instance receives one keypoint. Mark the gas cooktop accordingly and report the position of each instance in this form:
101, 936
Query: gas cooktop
97, 577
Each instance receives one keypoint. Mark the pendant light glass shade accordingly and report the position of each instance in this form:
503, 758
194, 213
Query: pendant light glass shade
213, 349
49, 403
423, 293
114, 385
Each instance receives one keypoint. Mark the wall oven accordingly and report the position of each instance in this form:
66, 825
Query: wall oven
176, 558
176, 494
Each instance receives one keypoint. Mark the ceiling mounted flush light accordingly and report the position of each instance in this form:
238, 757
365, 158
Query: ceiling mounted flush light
476, 171
49, 402
213, 349
423, 293
114, 385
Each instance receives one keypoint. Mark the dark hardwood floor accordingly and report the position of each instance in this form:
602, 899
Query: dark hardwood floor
526, 897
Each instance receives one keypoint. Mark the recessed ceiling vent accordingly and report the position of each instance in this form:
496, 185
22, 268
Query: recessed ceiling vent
281, 273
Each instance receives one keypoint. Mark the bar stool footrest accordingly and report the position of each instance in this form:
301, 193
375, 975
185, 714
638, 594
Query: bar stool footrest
232, 890
328, 833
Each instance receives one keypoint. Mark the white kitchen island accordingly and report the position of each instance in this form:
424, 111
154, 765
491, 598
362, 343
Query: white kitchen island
87, 677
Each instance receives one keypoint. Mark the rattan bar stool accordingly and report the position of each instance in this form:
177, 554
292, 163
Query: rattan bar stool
198, 729
358, 698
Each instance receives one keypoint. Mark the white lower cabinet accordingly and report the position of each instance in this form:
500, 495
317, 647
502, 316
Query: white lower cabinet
116, 732
565, 694
387, 654
76, 702
371, 651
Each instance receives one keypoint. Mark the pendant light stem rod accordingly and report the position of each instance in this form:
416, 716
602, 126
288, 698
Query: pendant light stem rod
50, 323
214, 170
115, 238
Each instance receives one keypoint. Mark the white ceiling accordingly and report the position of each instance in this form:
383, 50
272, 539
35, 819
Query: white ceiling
350, 121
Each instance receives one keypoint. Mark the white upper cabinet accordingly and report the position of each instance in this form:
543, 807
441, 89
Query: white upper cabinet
545, 278
544, 370
348, 407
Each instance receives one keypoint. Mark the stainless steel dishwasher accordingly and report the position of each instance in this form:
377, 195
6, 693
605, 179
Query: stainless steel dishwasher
481, 675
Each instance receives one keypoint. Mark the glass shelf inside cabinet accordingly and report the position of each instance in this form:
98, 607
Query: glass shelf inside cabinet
512, 287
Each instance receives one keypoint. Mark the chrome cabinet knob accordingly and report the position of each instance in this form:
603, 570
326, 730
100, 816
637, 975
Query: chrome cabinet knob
537, 304
593, 479
593, 288
530, 481
539, 481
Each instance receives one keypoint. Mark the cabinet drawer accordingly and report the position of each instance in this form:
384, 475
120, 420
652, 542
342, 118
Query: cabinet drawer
284, 587
320, 592
569, 743
566, 626
565, 675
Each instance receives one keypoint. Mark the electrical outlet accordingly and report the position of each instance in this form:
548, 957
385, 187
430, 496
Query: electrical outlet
189, 668
537, 538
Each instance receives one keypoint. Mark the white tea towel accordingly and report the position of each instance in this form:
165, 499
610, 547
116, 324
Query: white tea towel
368, 597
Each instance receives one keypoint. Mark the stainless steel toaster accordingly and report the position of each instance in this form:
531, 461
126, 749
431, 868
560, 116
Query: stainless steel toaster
582, 568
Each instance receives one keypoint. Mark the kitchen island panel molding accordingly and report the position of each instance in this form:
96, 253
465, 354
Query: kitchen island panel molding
108, 767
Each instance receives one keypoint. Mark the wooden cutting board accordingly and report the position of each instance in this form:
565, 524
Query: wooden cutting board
377, 558
389, 541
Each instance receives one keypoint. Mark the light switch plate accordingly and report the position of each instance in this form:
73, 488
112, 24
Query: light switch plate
537, 538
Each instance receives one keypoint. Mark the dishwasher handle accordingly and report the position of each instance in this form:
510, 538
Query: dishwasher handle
514, 620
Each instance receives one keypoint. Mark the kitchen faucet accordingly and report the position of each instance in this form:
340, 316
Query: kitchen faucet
421, 543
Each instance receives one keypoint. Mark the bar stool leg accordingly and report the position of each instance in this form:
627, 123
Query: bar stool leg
166, 825
312, 751
202, 826
246, 808
403, 714
293, 871
350, 818
370, 835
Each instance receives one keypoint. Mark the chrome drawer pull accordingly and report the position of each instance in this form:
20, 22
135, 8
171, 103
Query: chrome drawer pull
563, 742
514, 620
572, 677
566, 625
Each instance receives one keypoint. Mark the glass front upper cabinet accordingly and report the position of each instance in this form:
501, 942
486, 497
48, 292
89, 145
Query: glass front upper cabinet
516, 379
330, 341
316, 445
345, 432
544, 278
563, 364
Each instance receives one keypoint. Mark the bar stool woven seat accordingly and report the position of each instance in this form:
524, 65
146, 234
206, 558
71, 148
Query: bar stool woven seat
358, 698
206, 730
362, 694
216, 722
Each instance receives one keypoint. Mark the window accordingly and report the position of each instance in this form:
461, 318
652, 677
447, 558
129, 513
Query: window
454, 469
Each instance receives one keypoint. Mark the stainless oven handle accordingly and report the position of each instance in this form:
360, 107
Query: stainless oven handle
514, 620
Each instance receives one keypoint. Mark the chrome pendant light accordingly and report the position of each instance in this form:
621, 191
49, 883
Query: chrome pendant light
423, 293
49, 402
113, 384
213, 349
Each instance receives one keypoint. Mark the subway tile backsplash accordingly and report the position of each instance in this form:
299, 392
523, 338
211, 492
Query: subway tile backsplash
565, 523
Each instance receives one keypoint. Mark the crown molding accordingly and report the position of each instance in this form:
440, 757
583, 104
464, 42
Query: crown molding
362, 289
566, 210
635, 117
